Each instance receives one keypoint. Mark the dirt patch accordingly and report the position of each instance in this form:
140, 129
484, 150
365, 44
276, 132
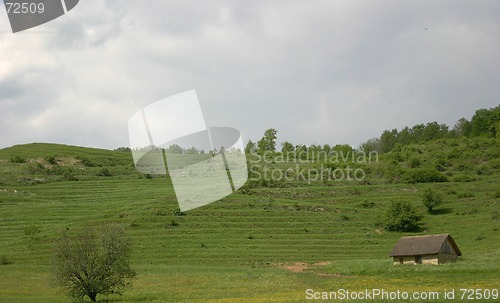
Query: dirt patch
296, 267
301, 267
68, 161
59, 161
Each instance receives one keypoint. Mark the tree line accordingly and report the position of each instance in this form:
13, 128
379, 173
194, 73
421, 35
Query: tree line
268, 144
485, 122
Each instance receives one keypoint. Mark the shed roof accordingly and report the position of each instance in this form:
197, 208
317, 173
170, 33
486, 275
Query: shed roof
422, 245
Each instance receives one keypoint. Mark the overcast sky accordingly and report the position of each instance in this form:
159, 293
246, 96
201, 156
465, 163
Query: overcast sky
318, 71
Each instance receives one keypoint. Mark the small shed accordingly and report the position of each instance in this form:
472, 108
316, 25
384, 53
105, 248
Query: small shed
431, 249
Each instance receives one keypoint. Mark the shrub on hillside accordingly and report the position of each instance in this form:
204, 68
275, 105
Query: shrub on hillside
441, 164
69, 176
104, 172
367, 204
17, 159
415, 163
402, 216
51, 159
424, 175
4, 260
464, 178
431, 199
85, 161
123, 149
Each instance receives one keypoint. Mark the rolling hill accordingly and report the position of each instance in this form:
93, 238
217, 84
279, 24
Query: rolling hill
267, 242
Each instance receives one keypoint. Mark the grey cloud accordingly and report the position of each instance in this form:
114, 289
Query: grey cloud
322, 71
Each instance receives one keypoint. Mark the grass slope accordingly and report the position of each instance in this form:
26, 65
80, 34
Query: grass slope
235, 250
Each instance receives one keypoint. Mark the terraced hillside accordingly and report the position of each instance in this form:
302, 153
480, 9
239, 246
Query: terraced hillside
261, 244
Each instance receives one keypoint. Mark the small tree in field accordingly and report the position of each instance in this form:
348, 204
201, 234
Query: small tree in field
402, 216
92, 264
431, 199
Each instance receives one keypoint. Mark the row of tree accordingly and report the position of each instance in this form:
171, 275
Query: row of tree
485, 122
268, 144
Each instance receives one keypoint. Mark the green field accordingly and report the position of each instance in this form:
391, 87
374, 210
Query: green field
261, 244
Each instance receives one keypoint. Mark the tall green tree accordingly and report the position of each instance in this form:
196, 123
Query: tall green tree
405, 136
485, 122
268, 141
372, 145
462, 127
388, 140
250, 147
287, 147
417, 132
344, 149
434, 130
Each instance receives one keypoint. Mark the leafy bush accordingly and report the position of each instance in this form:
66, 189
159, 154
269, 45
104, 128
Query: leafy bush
344, 218
123, 149
422, 175
85, 161
70, 177
415, 162
367, 204
441, 164
4, 260
104, 172
464, 178
403, 217
51, 160
431, 199
17, 159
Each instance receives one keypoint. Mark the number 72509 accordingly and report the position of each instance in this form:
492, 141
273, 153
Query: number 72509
24, 8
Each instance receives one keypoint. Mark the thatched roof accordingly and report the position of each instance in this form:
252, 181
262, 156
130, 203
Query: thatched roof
422, 245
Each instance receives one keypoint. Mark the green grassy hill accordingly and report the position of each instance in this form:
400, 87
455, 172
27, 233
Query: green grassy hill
236, 250
44, 163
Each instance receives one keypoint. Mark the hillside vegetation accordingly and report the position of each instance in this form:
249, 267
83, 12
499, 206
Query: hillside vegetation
268, 242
